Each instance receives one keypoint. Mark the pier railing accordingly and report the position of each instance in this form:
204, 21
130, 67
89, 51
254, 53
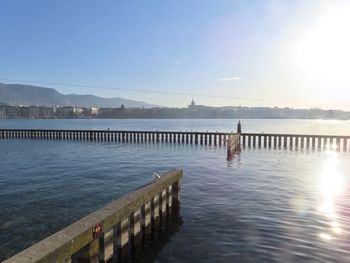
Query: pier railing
184, 137
295, 141
261, 140
112, 231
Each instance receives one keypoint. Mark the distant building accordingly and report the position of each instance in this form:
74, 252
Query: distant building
94, 111
23, 112
65, 112
11, 112
2, 112
33, 112
111, 112
192, 104
78, 111
46, 113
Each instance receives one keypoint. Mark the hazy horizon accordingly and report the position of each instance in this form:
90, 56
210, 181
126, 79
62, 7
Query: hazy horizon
224, 53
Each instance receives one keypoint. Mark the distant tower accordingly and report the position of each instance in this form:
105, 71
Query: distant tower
122, 107
192, 103
239, 127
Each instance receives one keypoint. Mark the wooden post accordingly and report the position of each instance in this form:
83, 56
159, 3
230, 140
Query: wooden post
279, 138
90, 254
338, 144
122, 239
106, 246
319, 142
155, 208
265, 141
291, 138
135, 232
162, 204
175, 197
168, 201
345, 144
146, 215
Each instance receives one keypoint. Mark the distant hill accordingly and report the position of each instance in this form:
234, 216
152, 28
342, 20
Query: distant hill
16, 94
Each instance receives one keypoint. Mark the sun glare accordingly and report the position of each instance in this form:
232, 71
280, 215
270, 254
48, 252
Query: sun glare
331, 186
322, 54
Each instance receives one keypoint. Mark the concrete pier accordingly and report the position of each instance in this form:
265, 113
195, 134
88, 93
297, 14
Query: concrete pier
111, 232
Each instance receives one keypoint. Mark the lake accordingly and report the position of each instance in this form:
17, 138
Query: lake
265, 205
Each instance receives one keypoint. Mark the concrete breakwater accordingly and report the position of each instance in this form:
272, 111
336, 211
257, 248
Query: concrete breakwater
114, 231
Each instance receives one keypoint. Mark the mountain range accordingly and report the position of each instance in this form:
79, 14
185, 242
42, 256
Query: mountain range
18, 94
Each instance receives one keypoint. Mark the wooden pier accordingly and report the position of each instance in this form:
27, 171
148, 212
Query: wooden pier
113, 231
184, 137
247, 140
295, 141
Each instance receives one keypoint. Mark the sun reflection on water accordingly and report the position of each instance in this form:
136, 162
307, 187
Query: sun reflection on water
331, 187
331, 147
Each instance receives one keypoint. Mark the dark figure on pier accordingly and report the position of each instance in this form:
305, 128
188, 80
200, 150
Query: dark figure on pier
239, 127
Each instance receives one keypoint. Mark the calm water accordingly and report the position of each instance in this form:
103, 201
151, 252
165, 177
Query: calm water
263, 206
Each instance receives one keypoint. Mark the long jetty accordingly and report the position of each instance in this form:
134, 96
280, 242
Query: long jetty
295, 141
260, 140
199, 138
113, 232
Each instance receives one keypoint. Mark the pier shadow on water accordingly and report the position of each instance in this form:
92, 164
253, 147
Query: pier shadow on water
158, 237
146, 246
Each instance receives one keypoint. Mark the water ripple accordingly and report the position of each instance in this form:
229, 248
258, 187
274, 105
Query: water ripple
263, 206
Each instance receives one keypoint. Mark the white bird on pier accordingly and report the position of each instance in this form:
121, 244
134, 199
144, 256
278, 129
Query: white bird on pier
156, 176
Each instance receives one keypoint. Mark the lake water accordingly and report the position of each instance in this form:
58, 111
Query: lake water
266, 205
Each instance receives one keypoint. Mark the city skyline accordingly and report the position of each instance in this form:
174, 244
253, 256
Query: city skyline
256, 53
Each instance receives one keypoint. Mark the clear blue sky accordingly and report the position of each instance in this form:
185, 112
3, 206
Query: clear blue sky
266, 50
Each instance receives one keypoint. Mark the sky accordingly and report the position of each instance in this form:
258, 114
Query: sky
222, 53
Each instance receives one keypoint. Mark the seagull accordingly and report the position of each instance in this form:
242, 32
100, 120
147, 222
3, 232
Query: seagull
156, 176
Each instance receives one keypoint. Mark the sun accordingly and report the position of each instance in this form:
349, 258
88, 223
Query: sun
322, 54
